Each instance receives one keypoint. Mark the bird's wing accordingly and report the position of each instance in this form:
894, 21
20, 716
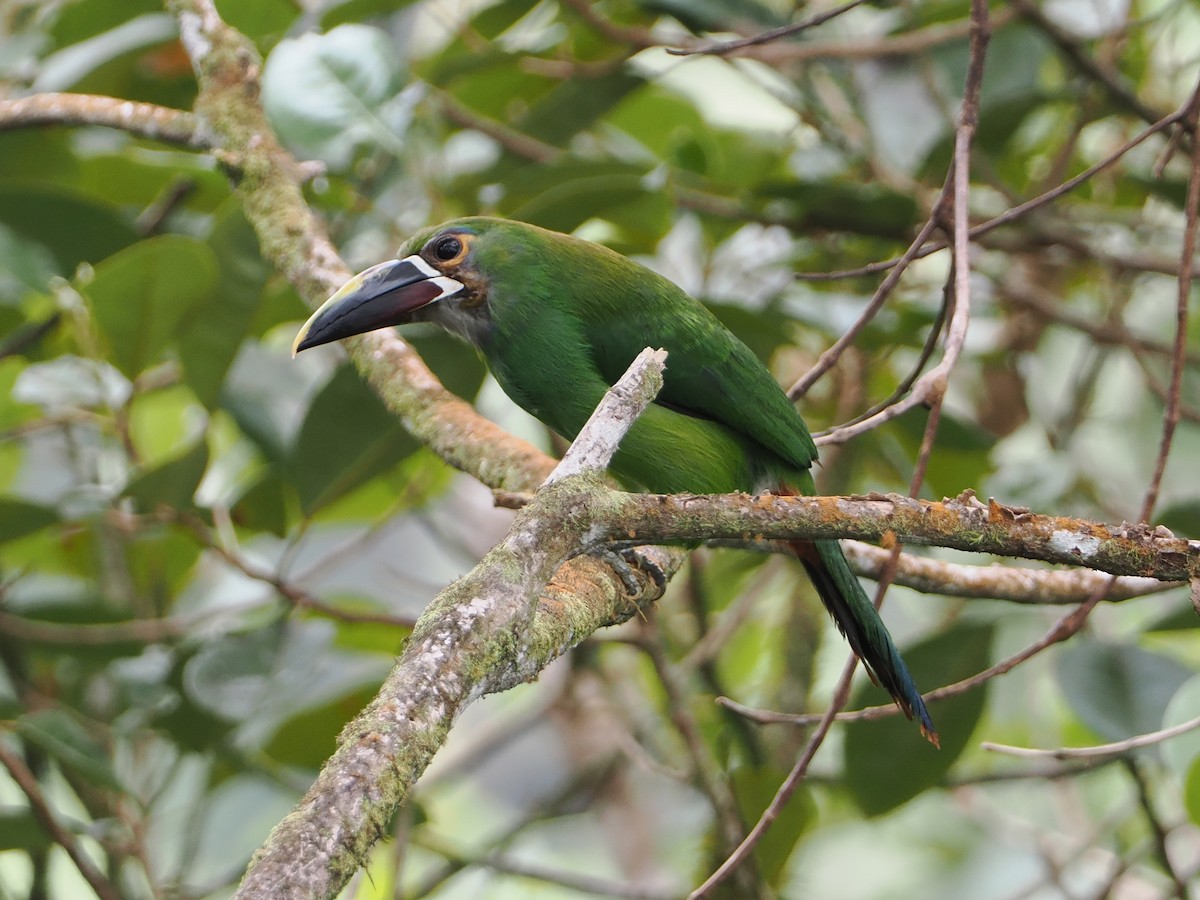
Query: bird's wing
710, 372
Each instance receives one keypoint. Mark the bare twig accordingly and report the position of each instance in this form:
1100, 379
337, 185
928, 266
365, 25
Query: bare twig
1112, 82
1018, 211
1171, 414
707, 773
148, 120
766, 37
955, 337
1099, 751
1060, 631
1038, 587
28, 783
295, 595
930, 388
830, 356
1158, 831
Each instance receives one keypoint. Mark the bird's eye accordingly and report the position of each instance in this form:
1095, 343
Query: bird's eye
447, 248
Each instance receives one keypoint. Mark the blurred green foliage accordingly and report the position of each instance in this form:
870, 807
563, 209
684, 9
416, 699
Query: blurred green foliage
209, 552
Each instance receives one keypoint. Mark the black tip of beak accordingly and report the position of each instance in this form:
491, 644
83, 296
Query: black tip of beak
383, 295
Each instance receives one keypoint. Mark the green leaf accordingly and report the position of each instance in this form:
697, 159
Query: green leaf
64, 739
960, 457
20, 829
716, 15
139, 58
24, 265
263, 505
263, 21
161, 559
869, 209
365, 637
887, 760
1191, 792
135, 178
347, 438
662, 121
1181, 752
13, 412
310, 737
357, 10
1182, 517
84, 19
215, 330
576, 104
756, 788
37, 155
172, 483
456, 365
323, 92
566, 194
72, 228
142, 295
1118, 690
19, 518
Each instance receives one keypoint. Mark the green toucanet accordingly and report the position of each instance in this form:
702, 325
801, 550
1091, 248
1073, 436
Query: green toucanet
559, 319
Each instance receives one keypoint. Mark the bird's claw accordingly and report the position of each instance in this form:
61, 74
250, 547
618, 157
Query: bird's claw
625, 561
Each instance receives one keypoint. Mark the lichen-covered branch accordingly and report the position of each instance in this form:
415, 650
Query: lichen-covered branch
962, 523
148, 120
1040, 587
496, 627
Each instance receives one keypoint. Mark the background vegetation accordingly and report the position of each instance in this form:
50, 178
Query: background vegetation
210, 553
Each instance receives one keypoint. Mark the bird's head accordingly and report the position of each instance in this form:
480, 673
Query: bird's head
439, 275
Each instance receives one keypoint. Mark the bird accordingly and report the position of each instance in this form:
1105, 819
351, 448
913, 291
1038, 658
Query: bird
558, 319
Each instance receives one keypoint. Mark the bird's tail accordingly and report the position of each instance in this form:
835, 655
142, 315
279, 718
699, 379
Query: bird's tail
859, 621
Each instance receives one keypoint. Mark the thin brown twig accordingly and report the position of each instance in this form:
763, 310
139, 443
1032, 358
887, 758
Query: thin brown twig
956, 333
903, 386
1061, 630
24, 778
909, 43
575, 882
1098, 751
766, 37
931, 387
1160, 390
1171, 414
1112, 82
1019, 292
1016, 212
1158, 831
830, 356
1035, 587
92, 634
710, 778
509, 138
786, 789
298, 597
641, 38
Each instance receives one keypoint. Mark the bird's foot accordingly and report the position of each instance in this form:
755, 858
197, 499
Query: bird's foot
625, 561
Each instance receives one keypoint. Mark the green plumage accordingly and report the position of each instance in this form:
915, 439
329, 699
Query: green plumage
559, 320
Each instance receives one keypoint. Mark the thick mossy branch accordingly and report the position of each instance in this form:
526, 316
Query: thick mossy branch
486, 632
962, 523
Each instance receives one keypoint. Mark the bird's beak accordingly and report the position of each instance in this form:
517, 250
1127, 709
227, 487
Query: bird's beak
386, 294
